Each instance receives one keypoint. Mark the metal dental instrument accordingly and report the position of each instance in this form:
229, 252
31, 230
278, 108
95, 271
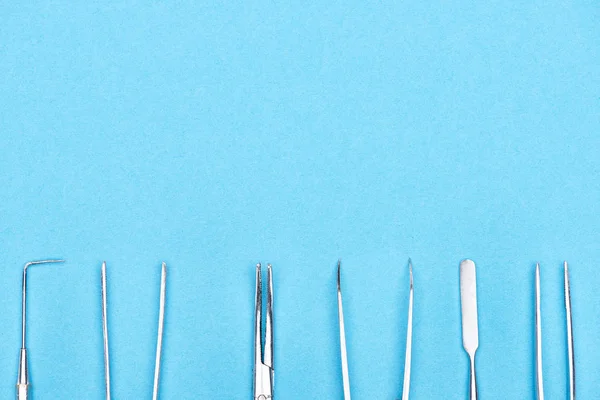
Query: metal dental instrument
538, 335
539, 376
569, 334
343, 352
105, 333
407, 360
470, 329
161, 320
161, 324
23, 376
263, 349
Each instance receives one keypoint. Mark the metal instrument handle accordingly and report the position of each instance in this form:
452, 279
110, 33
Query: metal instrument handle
23, 378
22, 391
473, 383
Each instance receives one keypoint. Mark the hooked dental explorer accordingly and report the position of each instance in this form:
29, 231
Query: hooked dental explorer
23, 377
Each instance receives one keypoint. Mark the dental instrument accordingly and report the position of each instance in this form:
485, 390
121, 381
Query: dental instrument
539, 376
23, 375
263, 346
408, 354
159, 341
538, 334
470, 328
570, 344
343, 352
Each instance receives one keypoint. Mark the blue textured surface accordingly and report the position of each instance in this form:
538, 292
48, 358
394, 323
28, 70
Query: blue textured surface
216, 136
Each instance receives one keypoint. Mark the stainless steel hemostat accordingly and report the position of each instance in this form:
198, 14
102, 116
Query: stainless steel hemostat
263, 347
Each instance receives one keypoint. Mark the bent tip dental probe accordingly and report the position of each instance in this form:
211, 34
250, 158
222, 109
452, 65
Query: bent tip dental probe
23, 375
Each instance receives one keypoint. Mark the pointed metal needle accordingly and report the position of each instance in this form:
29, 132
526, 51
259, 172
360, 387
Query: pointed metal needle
408, 356
344, 354
23, 376
569, 334
539, 377
105, 332
161, 324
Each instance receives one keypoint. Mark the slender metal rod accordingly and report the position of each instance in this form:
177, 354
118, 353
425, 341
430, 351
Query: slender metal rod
408, 356
539, 377
268, 348
258, 353
344, 354
24, 307
161, 324
570, 343
473, 380
105, 332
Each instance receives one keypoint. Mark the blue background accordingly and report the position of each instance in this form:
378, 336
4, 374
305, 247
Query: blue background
216, 136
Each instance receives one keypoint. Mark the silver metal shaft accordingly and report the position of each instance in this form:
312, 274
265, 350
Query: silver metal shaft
408, 356
268, 347
258, 320
105, 332
344, 353
570, 344
23, 374
539, 376
161, 324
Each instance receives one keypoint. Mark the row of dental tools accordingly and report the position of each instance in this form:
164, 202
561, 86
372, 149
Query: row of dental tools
263, 381
23, 375
263, 338
470, 328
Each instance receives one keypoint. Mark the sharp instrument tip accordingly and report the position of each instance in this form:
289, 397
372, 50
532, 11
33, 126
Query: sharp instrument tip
339, 275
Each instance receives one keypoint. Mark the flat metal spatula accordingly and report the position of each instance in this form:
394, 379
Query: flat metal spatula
470, 329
